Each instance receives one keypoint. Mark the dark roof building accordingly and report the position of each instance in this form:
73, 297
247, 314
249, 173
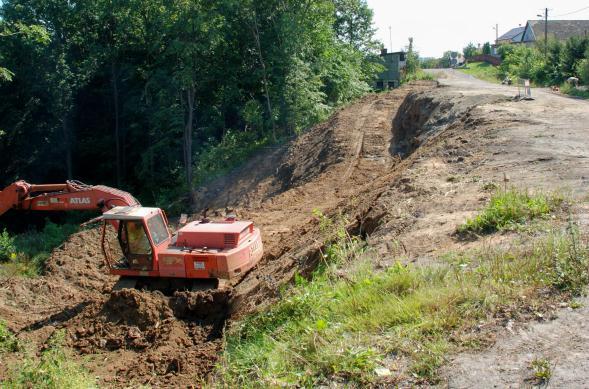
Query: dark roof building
557, 29
511, 36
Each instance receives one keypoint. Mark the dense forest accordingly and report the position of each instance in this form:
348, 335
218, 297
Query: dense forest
158, 96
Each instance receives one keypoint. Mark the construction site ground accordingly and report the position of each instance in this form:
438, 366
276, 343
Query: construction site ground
407, 166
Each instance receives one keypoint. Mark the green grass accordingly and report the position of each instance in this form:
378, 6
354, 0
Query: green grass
419, 75
8, 342
25, 254
572, 91
343, 323
510, 209
483, 71
54, 369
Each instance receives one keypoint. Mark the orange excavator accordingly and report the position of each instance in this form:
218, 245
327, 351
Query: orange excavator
201, 254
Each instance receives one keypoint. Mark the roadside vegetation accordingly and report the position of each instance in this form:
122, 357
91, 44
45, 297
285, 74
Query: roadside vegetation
352, 323
481, 70
413, 66
511, 209
25, 254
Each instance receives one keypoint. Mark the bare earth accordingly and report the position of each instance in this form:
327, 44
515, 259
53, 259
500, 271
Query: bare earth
406, 166
550, 151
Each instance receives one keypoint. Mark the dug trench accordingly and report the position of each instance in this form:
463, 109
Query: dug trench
367, 165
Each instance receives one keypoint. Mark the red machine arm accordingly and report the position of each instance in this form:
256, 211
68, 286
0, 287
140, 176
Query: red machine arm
71, 196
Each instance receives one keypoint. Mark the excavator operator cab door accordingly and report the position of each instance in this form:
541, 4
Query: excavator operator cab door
135, 245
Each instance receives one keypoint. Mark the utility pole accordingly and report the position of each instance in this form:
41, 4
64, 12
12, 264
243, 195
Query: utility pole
391, 38
545, 32
496, 32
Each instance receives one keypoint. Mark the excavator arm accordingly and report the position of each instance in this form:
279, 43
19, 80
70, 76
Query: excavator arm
71, 196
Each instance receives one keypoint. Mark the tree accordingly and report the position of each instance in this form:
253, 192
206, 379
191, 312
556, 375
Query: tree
573, 53
412, 59
353, 24
487, 48
470, 50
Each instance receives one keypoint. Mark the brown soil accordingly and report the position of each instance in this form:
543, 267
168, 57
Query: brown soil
403, 168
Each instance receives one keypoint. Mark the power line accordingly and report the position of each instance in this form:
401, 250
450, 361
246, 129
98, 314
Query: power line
573, 12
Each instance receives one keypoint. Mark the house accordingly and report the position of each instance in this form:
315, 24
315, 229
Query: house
557, 29
512, 36
391, 76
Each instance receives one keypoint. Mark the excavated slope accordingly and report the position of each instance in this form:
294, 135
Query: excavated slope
343, 166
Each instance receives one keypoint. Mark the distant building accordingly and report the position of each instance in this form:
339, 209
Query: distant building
560, 30
391, 76
512, 36
533, 31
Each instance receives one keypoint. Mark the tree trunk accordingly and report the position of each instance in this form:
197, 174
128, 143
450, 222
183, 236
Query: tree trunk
115, 98
256, 33
187, 141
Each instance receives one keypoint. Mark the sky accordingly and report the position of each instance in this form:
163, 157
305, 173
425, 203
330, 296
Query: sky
438, 26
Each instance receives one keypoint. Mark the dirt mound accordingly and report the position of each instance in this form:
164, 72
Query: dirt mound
209, 306
79, 262
135, 308
310, 155
423, 115
155, 339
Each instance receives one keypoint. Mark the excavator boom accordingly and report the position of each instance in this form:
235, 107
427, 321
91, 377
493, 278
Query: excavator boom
71, 196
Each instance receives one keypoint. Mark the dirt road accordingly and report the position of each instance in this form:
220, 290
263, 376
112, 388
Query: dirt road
544, 146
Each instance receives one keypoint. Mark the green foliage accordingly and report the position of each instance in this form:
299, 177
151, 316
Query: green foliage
569, 89
53, 370
482, 70
7, 247
583, 69
510, 209
148, 87
27, 252
563, 60
520, 61
413, 71
8, 342
542, 370
220, 158
344, 321
487, 48
470, 50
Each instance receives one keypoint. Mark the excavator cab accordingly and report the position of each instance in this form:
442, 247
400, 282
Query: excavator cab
141, 233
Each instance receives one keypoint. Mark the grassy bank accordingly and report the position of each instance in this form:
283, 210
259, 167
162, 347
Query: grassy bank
26, 253
568, 89
350, 322
483, 71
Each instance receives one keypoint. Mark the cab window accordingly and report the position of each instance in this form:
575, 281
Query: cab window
157, 229
133, 238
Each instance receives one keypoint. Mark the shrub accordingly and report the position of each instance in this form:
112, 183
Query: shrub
508, 210
8, 342
7, 248
28, 252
